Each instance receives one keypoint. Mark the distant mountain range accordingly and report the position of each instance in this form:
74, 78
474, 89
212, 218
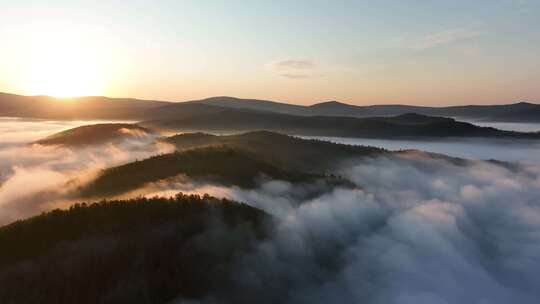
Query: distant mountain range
402, 126
97, 107
76, 108
521, 112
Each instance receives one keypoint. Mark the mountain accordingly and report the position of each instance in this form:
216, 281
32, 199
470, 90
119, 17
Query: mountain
406, 125
220, 165
525, 112
92, 107
253, 104
95, 134
238, 160
522, 111
335, 108
97, 107
207, 118
279, 149
135, 251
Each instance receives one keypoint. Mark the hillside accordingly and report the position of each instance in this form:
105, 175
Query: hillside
97, 107
253, 104
136, 251
522, 111
95, 134
279, 149
406, 125
90, 107
516, 112
220, 165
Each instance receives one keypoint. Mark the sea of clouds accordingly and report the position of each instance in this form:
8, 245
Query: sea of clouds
36, 178
418, 229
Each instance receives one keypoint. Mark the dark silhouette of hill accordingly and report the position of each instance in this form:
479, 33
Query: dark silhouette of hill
90, 107
279, 149
98, 107
220, 165
406, 125
95, 134
253, 104
521, 111
136, 251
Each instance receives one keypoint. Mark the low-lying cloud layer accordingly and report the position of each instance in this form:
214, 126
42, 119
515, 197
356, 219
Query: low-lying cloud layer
523, 151
421, 230
418, 230
36, 178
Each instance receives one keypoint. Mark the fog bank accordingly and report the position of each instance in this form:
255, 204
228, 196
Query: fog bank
36, 178
417, 230
526, 151
507, 126
420, 230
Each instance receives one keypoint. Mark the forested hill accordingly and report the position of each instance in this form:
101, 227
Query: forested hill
136, 251
409, 125
279, 149
221, 165
95, 134
99, 107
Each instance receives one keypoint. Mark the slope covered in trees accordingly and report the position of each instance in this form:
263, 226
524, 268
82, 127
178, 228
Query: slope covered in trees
136, 251
279, 149
95, 134
98, 107
403, 126
212, 164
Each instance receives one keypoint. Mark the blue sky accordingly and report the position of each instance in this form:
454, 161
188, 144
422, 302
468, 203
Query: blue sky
361, 52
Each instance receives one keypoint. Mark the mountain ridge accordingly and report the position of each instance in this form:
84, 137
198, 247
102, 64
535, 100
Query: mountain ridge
100, 107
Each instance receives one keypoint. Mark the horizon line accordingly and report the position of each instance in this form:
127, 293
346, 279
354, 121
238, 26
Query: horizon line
277, 102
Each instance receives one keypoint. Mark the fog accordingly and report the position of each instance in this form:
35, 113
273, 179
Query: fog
420, 230
527, 151
23, 130
507, 126
36, 178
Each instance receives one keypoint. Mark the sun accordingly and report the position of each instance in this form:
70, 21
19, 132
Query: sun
65, 72
61, 65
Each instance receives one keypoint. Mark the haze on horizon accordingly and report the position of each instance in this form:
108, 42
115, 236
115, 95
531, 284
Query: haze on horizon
358, 52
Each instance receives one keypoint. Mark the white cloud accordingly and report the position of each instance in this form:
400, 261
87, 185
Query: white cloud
444, 38
293, 69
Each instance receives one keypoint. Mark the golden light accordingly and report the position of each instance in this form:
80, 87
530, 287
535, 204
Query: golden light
62, 64
64, 73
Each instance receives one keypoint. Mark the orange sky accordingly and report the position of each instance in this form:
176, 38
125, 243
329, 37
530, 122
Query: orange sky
303, 52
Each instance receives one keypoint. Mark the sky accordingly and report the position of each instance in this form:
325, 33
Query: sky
359, 52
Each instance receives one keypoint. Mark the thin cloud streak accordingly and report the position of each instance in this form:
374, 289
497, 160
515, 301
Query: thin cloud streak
292, 69
444, 38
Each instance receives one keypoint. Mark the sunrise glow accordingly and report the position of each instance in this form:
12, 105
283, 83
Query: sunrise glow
61, 73
58, 61
190, 50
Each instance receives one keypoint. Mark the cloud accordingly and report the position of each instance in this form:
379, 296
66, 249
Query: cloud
292, 64
524, 151
295, 76
421, 230
36, 178
443, 38
293, 69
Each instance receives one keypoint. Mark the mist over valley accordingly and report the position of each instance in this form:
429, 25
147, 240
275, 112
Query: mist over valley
295, 152
346, 221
